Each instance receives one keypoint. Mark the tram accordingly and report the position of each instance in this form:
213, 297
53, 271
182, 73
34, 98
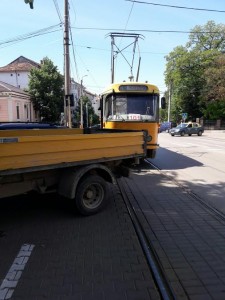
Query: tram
133, 106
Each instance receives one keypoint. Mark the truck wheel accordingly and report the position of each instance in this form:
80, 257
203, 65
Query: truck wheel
151, 153
91, 195
200, 133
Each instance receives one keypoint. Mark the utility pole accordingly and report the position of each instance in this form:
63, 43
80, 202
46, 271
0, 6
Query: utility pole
81, 103
169, 102
67, 111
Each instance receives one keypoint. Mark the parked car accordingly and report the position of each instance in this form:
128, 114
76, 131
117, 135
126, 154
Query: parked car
24, 125
187, 128
166, 126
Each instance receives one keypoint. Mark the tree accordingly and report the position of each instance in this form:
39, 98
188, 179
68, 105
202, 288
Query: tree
208, 37
46, 91
31, 2
183, 77
89, 116
186, 70
214, 92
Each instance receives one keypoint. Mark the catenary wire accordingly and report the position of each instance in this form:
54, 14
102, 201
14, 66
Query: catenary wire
141, 30
175, 6
58, 10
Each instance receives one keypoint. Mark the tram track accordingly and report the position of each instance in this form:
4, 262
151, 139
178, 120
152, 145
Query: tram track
194, 196
139, 222
161, 282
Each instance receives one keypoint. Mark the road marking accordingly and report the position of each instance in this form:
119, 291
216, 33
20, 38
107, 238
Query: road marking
11, 280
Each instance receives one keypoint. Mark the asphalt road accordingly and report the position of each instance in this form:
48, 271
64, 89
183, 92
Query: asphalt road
198, 163
47, 251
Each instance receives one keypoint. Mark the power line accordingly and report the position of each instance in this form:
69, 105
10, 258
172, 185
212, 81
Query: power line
58, 10
74, 57
20, 38
142, 30
129, 16
108, 50
175, 6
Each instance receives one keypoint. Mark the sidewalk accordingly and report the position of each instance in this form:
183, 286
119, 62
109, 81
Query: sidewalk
188, 238
215, 133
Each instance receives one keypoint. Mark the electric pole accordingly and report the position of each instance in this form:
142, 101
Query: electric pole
67, 111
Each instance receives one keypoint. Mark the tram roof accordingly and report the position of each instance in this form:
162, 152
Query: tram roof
131, 87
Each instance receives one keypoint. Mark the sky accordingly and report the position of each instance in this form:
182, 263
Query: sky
91, 22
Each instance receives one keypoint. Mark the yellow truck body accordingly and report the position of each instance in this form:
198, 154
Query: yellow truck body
76, 164
20, 149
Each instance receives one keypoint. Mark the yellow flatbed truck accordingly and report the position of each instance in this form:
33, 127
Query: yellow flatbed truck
77, 164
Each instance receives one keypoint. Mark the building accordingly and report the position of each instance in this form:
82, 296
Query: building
15, 105
17, 72
78, 90
94, 101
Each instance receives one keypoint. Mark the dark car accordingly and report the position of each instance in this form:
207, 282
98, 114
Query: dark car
166, 126
187, 128
24, 125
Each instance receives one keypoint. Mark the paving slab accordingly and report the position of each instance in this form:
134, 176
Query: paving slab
188, 238
74, 257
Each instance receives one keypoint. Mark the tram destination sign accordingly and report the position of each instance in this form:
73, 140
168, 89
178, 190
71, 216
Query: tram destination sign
133, 87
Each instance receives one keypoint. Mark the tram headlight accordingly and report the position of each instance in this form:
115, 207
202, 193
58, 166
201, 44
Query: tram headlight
149, 138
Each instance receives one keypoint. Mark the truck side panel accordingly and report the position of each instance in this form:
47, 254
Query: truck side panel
24, 151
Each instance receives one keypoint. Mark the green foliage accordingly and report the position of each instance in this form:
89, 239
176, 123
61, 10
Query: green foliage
31, 2
195, 73
208, 37
46, 91
89, 116
215, 110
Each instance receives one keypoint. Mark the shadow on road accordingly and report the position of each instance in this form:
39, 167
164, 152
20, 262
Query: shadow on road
174, 160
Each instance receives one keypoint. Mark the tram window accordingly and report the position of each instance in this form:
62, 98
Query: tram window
122, 106
140, 104
108, 107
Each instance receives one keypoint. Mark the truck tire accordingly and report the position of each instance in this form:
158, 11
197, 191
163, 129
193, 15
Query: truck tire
199, 133
151, 153
91, 195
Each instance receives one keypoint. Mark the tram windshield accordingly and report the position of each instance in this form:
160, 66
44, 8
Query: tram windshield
131, 107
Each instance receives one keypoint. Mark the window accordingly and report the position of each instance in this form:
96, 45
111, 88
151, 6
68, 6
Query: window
17, 111
131, 107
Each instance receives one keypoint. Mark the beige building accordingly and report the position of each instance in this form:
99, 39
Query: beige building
17, 72
15, 105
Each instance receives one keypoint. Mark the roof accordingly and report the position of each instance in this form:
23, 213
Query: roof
5, 87
20, 64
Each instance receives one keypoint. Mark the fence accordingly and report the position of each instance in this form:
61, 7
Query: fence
213, 124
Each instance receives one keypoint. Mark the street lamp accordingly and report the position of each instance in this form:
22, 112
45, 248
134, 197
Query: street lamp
81, 103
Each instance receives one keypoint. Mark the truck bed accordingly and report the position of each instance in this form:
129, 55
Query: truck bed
33, 149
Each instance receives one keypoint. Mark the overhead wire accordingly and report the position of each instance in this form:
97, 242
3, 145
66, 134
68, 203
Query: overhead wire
47, 30
58, 10
120, 51
176, 6
141, 30
74, 55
